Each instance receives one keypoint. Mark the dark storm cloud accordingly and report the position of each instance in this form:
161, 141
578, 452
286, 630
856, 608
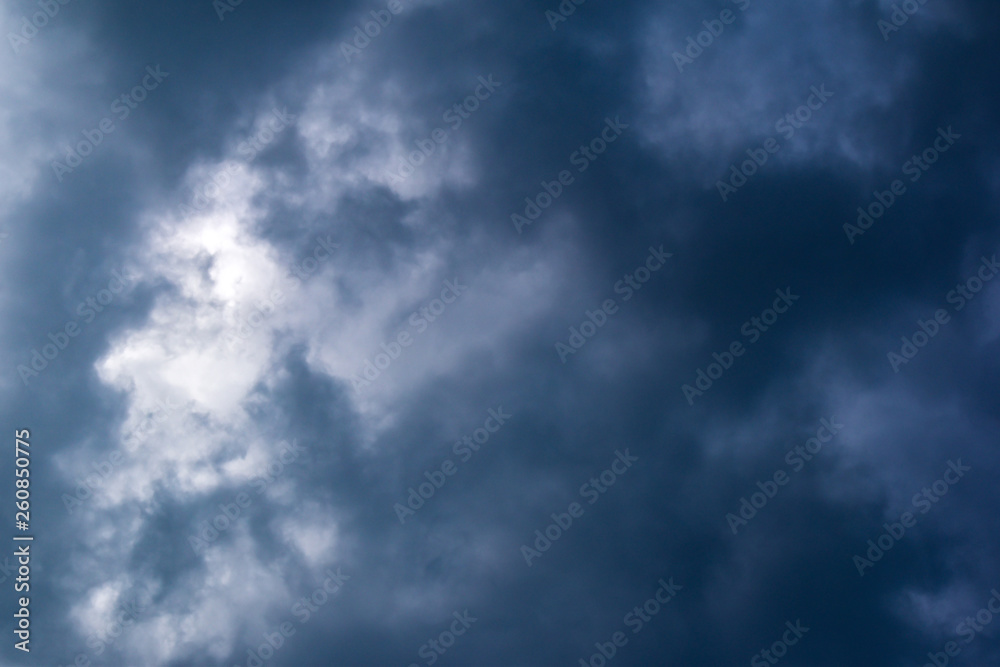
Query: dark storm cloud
357, 120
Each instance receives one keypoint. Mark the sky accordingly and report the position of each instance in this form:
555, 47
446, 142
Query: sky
533, 332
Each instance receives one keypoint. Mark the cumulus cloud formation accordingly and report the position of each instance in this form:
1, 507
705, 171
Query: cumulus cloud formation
481, 333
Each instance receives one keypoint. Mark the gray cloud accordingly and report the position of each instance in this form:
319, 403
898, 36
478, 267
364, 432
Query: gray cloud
324, 525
